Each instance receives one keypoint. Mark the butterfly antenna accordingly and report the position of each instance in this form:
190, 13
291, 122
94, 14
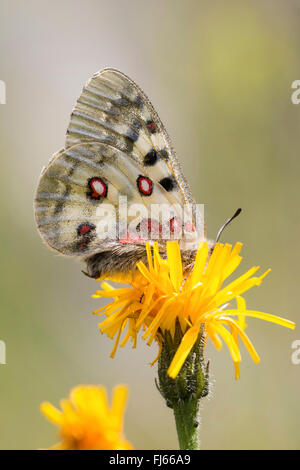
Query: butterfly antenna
237, 212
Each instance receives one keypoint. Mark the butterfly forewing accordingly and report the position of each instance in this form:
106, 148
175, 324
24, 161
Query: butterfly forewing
113, 109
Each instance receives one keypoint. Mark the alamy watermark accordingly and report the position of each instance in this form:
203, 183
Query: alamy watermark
295, 96
2, 352
2, 92
135, 222
295, 357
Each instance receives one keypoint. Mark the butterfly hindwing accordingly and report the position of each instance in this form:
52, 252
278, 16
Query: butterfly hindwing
73, 189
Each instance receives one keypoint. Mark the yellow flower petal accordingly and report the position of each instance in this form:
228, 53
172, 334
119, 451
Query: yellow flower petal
264, 316
183, 351
174, 257
51, 413
166, 292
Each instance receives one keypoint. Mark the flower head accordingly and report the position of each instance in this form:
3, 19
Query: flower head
162, 295
87, 422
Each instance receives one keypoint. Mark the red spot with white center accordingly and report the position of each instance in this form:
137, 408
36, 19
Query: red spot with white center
145, 185
175, 225
98, 188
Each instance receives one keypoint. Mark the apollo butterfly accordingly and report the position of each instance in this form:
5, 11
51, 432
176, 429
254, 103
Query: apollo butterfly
116, 147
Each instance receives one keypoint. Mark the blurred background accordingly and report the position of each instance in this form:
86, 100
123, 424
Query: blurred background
219, 74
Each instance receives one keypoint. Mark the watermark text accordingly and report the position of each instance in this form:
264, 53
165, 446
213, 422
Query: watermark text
2, 352
295, 357
2, 92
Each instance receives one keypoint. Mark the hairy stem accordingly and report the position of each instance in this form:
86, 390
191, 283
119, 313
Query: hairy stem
187, 424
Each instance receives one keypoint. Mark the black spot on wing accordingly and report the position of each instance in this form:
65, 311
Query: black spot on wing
168, 183
151, 158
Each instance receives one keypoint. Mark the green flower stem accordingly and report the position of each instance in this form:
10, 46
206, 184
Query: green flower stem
183, 393
187, 424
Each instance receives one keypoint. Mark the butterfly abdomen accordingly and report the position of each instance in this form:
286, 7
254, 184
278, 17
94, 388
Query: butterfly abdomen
115, 260
122, 261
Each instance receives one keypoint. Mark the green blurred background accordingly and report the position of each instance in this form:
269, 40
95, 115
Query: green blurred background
220, 75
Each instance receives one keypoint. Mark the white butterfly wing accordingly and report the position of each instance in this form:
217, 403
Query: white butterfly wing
116, 146
113, 109
74, 192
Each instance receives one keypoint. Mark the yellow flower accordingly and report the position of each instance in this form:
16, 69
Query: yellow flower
163, 294
87, 422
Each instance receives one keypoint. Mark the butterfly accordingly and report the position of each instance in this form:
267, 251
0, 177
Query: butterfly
116, 149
